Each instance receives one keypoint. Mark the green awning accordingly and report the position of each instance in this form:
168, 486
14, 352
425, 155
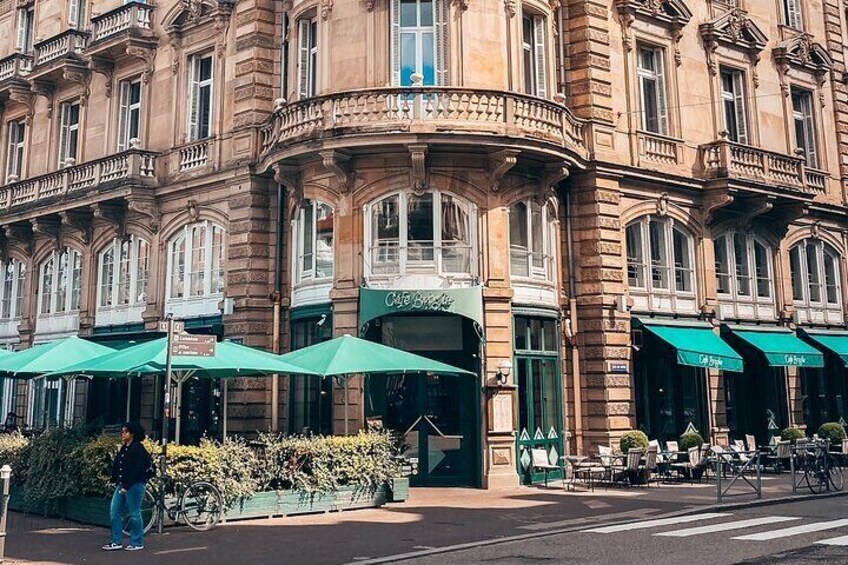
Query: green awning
376, 303
782, 348
837, 342
698, 347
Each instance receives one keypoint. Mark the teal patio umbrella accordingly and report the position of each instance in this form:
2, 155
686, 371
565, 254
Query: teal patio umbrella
229, 361
347, 355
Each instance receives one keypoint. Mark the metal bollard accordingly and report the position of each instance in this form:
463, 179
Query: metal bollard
5, 476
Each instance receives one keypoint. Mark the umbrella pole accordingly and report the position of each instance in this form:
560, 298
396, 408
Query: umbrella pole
129, 397
179, 400
225, 409
346, 383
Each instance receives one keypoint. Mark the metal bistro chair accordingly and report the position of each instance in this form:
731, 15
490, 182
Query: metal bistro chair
541, 462
651, 467
630, 469
751, 442
688, 468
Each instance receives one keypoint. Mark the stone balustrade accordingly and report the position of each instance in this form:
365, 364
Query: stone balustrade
69, 42
426, 110
14, 66
195, 155
133, 15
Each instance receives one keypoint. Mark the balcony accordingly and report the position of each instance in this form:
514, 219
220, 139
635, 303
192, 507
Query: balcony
133, 166
119, 32
425, 110
14, 71
725, 159
53, 56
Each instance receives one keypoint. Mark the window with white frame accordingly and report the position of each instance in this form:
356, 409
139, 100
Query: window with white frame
431, 233
60, 277
307, 66
76, 14
201, 96
660, 257
69, 132
16, 137
12, 290
733, 102
122, 272
652, 89
792, 14
314, 231
805, 125
419, 41
7, 396
196, 262
816, 281
48, 402
744, 268
129, 113
284, 58
26, 23
532, 240
533, 35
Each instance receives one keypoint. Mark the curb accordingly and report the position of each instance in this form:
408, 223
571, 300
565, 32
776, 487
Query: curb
756, 503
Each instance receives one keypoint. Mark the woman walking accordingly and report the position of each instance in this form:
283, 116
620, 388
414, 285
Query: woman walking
130, 473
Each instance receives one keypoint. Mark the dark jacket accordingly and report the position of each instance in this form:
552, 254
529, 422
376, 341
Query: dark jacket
131, 465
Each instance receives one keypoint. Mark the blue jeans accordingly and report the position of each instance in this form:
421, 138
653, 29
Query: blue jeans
129, 503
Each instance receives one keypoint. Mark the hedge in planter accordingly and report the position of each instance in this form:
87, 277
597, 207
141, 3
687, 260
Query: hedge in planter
792, 434
690, 440
633, 439
832, 432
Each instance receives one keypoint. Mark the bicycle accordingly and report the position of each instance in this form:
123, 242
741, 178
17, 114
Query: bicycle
821, 472
200, 506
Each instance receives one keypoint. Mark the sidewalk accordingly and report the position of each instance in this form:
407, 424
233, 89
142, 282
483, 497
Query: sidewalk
431, 518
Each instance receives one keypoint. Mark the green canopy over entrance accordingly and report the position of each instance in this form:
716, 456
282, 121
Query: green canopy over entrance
697, 346
376, 303
782, 348
837, 342
51, 357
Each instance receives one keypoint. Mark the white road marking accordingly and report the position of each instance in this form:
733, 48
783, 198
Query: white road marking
589, 520
843, 540
656, 523
794, 531
725, 526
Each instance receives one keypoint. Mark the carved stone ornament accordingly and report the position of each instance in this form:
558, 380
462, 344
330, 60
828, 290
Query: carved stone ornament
193, 9
801, 53
500, 164
662, 205
461, 4
289, 177
555, 173
79, 220
25, 97
671, 14
815, 230
714, 203
734, 30
105, 68
147, 207
369, 5
338, 164
145, 54
192, 210
511, 7
22, 234
326, 9
82, 77
113, 214
49, 227
44, 89
418, 172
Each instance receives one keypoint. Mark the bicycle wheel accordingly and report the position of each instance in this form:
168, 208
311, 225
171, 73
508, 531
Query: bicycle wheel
202, 506
148, 512
836, 478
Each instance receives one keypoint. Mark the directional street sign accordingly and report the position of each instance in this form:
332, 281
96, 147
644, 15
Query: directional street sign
178, 328
190, 345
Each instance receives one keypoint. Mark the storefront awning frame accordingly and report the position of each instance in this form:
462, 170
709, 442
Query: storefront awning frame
780, 346
834, 341
695, 343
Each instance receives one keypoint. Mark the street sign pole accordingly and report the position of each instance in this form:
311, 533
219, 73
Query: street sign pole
166, 397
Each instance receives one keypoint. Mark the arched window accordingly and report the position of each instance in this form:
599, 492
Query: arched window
816, 288
744, 276
430, 233
12, 289
660, 264
122, 276
315, 251
532, 240
196, 270
60, 283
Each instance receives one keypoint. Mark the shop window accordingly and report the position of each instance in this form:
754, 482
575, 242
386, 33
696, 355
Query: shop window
653, 95
744, 270
200, 96
315, 251
430, 233
310, 398
419, 41
733, 102
533, 44
129, 113
196, 270
816, 276
60, 283
532, 240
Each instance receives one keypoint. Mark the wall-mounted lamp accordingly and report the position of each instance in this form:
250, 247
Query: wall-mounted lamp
504, 369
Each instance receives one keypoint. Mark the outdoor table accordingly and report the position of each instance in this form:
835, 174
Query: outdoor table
586, 465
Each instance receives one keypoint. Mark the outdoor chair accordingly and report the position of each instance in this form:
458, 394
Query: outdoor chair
650, 468
738, 443
725, 459
739, 449
779, 459
751, 442
542, 463
688, 468
630, 470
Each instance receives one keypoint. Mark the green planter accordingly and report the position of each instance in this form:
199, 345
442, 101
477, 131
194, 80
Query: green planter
399, 489
86, 509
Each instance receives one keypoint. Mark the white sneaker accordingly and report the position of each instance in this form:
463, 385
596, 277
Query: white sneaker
134, 548
112, 547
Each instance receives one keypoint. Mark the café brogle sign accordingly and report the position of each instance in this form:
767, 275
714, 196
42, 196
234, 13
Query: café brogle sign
376, 303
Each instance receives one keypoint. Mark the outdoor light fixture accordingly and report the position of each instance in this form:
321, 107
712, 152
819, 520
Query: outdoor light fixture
504, 368
5, 473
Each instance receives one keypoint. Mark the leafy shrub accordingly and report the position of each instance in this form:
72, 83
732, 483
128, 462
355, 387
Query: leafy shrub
833, 432
792, 434
13, 449
238, 470
186, 463
51, 469
690, 440
633, 439
95, 460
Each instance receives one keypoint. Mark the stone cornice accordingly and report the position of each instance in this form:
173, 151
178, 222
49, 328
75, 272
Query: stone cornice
734, 30
663, 12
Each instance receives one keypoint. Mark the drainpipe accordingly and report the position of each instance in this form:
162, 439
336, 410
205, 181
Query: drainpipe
572, 313
277, 298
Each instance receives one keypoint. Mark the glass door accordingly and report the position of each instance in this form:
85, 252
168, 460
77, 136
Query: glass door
539, 413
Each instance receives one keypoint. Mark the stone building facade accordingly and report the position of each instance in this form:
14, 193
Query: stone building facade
554, 195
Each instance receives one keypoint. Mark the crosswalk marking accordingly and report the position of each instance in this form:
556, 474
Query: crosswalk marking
656, 523
786, 532
842, 540
723, 527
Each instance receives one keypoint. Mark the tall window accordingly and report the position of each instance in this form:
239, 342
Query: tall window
69, 132
26, 22
733, 100
815, 274
315, 242
307, 68
660, 256
534, 31
419, 41
284, 58
805, 126
430, 233
792, 14
744, 271
123, 273
532, 240
311, 399
15, 153
129, 113
196, 262
60, 282
652, 90
12, 290
201, 80
76, 14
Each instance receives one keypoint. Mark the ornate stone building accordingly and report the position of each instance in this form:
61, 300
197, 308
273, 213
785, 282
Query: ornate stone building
604, 208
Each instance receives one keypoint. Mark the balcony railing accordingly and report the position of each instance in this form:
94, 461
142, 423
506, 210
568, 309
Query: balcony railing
726, 159
659, 148
15, 66
132, 164
426, 110
195, 155
133, 15
69, 42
